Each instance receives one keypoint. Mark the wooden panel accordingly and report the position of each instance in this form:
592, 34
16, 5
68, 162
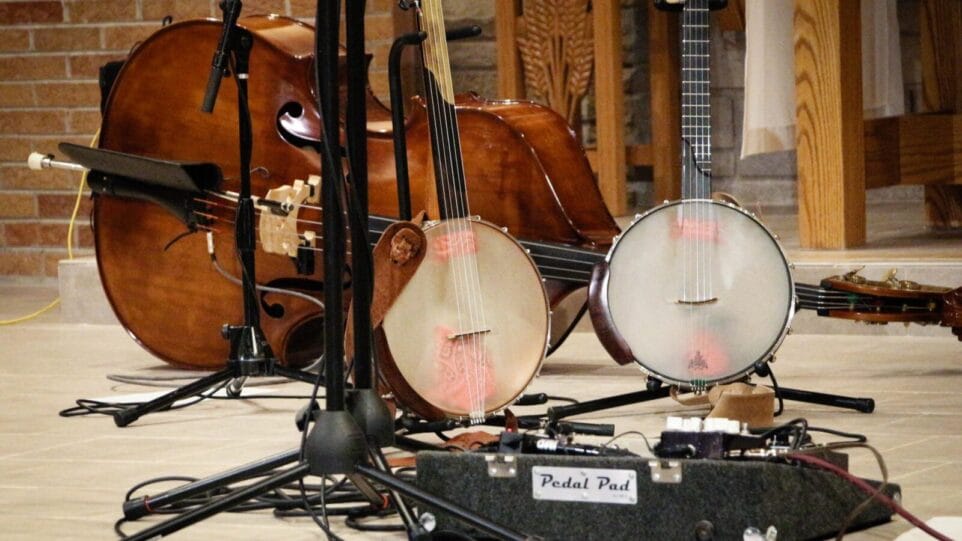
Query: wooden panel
882, 152
665, 103
609, 105
913, 149
635, 155
510, 76
639, 155
732, 18
944, 206
830, 125
941, 53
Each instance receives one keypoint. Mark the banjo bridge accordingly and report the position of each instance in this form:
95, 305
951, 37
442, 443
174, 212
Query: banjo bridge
695, 303
455, 336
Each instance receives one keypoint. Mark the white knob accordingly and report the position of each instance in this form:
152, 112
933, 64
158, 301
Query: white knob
36, 160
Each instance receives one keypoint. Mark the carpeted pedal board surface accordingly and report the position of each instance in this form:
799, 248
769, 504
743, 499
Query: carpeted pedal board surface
608, 498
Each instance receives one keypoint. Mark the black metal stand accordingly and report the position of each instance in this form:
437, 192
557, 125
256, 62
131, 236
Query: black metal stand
336, 444
397, 108
656, 391
250, 353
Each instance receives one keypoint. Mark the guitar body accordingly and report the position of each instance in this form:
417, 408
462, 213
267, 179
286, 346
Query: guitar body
685, 322
442, 359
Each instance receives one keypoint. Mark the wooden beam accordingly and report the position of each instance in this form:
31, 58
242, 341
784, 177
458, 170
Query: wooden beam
610, 105
664, 64
941, 54
510, 74
830, 124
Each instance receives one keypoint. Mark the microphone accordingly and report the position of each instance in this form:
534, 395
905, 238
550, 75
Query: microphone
231, 9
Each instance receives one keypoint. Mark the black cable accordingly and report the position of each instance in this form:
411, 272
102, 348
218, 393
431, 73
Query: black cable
354, 521
118, 530
858, 438
781, 401
86, 406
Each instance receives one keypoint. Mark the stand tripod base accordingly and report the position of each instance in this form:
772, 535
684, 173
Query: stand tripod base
127, 416
864, 405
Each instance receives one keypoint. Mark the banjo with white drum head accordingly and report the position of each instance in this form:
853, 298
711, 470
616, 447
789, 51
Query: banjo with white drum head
698, 292
470, 330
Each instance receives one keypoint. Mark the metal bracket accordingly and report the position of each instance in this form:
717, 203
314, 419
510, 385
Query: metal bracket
501, 466
665, 471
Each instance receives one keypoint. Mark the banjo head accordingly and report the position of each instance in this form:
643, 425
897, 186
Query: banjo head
504, 334
698, 291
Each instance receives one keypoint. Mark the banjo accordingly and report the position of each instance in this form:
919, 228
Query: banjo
696, 291
470, 330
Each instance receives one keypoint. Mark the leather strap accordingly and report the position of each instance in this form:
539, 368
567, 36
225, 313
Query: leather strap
397, 256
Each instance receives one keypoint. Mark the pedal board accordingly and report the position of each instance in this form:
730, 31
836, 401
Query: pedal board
613, 497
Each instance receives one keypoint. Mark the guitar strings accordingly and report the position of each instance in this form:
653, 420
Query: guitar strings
443, 101
452, 210
690, 254
704, 121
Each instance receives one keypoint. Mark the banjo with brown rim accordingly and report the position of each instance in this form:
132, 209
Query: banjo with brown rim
696, 291
470, 330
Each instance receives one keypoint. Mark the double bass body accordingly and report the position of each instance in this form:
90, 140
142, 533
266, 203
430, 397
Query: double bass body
525, 171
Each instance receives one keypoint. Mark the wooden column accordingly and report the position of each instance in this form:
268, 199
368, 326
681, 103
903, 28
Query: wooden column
830, 123
510, 74
941, 29
664, 65
610, 105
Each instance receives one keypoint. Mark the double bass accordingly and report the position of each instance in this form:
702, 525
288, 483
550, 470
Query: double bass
159, 279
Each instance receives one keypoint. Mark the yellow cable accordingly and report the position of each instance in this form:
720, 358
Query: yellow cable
73, 219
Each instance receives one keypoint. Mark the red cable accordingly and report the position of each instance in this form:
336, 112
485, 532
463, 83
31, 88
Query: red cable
869, 489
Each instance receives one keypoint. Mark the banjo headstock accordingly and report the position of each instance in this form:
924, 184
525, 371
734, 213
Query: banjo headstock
852, 296
889, 286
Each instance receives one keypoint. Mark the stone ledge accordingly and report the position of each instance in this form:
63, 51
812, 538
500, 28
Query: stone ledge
82, 297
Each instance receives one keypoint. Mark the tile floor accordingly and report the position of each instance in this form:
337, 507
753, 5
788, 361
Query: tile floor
65, 478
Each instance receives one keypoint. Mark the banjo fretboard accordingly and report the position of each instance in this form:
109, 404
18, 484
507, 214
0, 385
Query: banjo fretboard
696, 100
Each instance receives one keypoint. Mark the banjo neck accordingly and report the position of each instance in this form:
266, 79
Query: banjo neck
561, 262
695, 100
442, 119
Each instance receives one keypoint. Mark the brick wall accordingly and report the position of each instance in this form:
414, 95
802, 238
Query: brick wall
50, 52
